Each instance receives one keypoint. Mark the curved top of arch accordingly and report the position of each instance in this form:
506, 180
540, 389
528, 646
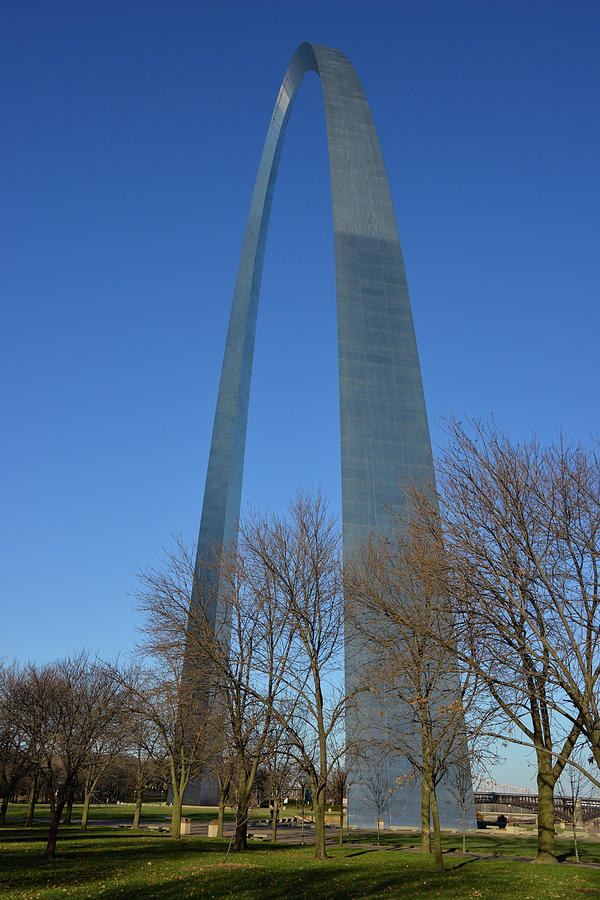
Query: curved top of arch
384, 430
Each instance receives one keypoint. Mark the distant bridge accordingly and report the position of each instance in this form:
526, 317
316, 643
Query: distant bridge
563, 806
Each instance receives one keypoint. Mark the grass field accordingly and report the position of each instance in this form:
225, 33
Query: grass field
122, 865
123, 812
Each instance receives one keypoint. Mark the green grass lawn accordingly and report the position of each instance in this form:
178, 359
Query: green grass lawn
498, 843
122, 865
123, 812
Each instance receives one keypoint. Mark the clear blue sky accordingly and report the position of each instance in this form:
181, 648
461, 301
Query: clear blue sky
131, 138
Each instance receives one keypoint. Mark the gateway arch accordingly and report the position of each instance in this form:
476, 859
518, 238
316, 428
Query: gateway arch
384, 431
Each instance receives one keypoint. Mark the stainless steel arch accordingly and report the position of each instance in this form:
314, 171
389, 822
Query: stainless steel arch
384, 432
382, 407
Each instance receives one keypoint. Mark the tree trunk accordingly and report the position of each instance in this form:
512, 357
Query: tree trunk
319, 811
138, 809
425, 816
437, 836
221, 812
52, 833
319, 790
240, 839
86, 809
341, 835
274, 822
425, 789
3, 809
464, 823
31, 800
176, 815
574, 822
545, 783
55, 815
69, 812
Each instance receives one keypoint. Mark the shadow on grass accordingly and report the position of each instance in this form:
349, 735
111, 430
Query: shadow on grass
563, 857
331, 879
120, 865
497, 844
463, 863
115, 848
243, 876
364, 851
156, 867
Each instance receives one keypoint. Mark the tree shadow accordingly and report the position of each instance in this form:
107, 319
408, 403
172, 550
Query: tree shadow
463, 863
364, 851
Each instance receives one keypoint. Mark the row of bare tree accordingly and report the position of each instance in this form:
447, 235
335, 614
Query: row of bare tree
268, 674
63, 726
498, 573
75, 727
480, 610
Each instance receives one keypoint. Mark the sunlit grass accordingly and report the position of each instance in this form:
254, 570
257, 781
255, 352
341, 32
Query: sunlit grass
116, 863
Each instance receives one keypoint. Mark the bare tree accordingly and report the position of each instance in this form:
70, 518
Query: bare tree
32, 718
279, 767
569, 790
110, 742
117, 782
32, 793
233, 668
14, 761
145, 745
301, 557
168, 695
377, 789
223, 765
460, 782
269, 661
68, 704
248, 675
401, 610
521, 529
150, 760
339, 779
477, 755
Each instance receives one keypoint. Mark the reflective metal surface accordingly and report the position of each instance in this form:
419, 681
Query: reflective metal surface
384, 432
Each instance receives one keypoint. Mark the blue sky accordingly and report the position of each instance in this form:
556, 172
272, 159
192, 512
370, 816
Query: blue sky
132, 135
